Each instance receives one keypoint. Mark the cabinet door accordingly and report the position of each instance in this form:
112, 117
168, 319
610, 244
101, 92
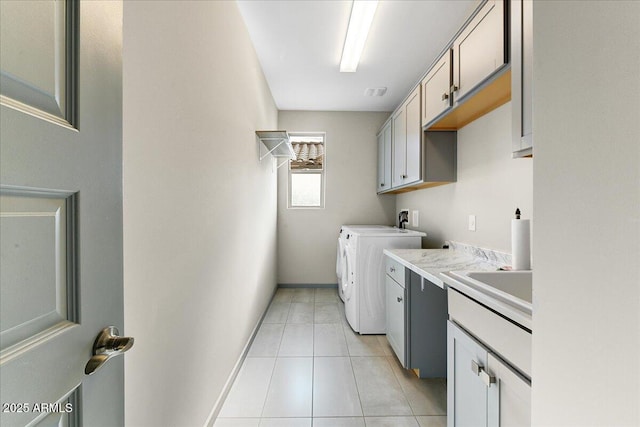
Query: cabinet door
381, 158
427, 327
479, 50
399, 144
414, 138
387, 156
384, 158
521, 76
510, 398
466, 393
395, 299
436, 96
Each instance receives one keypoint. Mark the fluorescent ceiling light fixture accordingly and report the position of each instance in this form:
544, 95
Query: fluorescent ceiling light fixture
362, 13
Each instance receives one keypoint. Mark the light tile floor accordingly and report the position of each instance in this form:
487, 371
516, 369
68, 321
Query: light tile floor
306, 367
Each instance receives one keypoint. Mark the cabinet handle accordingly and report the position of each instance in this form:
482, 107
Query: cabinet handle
484, 376
382, 184
454, 88
403, 176
392, 269
399, 299
445, 96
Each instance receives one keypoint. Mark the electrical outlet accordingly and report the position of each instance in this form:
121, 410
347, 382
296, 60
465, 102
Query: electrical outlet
415, 218
472, 223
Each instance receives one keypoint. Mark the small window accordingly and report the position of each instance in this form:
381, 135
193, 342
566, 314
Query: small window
306, 171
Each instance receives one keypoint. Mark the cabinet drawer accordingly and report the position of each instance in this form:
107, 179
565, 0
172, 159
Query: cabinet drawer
395, 270
504, 337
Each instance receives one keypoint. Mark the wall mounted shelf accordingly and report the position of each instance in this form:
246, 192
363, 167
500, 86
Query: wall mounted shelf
277, 144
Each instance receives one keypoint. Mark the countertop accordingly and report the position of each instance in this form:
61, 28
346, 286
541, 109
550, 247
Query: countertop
429, 263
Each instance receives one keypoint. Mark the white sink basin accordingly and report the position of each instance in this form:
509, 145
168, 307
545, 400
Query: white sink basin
514, 283
511, 287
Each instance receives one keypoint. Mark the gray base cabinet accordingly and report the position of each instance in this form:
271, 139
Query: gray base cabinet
467, 395
482, 390
427, 328
416, 321
396, 319
512, 395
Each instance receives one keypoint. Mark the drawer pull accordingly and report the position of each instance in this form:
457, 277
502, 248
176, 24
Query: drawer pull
392, 269
484, 376
445, 96
399, 299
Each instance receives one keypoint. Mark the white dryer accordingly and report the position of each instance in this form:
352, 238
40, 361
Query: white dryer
364, 292
341, 261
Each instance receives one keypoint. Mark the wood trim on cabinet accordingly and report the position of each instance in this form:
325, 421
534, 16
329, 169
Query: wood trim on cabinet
488, 98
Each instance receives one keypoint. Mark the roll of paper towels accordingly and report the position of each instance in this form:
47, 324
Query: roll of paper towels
521, 244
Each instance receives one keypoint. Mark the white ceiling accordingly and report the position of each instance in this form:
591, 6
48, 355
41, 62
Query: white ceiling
299, 44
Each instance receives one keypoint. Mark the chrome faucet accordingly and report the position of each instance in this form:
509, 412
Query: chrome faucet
403, 218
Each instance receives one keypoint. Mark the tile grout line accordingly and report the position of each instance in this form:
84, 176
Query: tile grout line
275, 362
353, 372
402, 389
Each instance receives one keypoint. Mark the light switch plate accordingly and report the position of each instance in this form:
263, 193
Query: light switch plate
472, 223
415, 218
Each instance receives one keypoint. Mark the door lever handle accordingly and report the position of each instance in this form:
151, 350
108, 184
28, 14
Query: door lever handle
108, 344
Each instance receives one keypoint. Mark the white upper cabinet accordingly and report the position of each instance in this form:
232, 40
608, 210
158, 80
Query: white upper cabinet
399, 144
436, 92
407, 138
414, 138
479, 50
418, 159
521, 76
384, 158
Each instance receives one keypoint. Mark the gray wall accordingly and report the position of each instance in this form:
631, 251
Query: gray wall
199, 209
350, 198
490, 186
586, 323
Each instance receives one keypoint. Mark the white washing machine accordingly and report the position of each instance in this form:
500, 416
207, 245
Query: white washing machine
364, 292
341, 261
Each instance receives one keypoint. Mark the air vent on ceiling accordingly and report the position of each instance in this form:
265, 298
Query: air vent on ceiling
375, 91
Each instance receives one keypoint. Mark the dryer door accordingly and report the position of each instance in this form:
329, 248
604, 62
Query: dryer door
340, 259
341, 267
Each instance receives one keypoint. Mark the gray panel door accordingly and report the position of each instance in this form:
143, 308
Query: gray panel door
61, 210
467, 398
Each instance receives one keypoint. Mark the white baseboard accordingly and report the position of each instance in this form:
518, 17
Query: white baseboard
211, 419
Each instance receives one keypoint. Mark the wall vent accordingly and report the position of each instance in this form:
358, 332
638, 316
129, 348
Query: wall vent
375, 91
